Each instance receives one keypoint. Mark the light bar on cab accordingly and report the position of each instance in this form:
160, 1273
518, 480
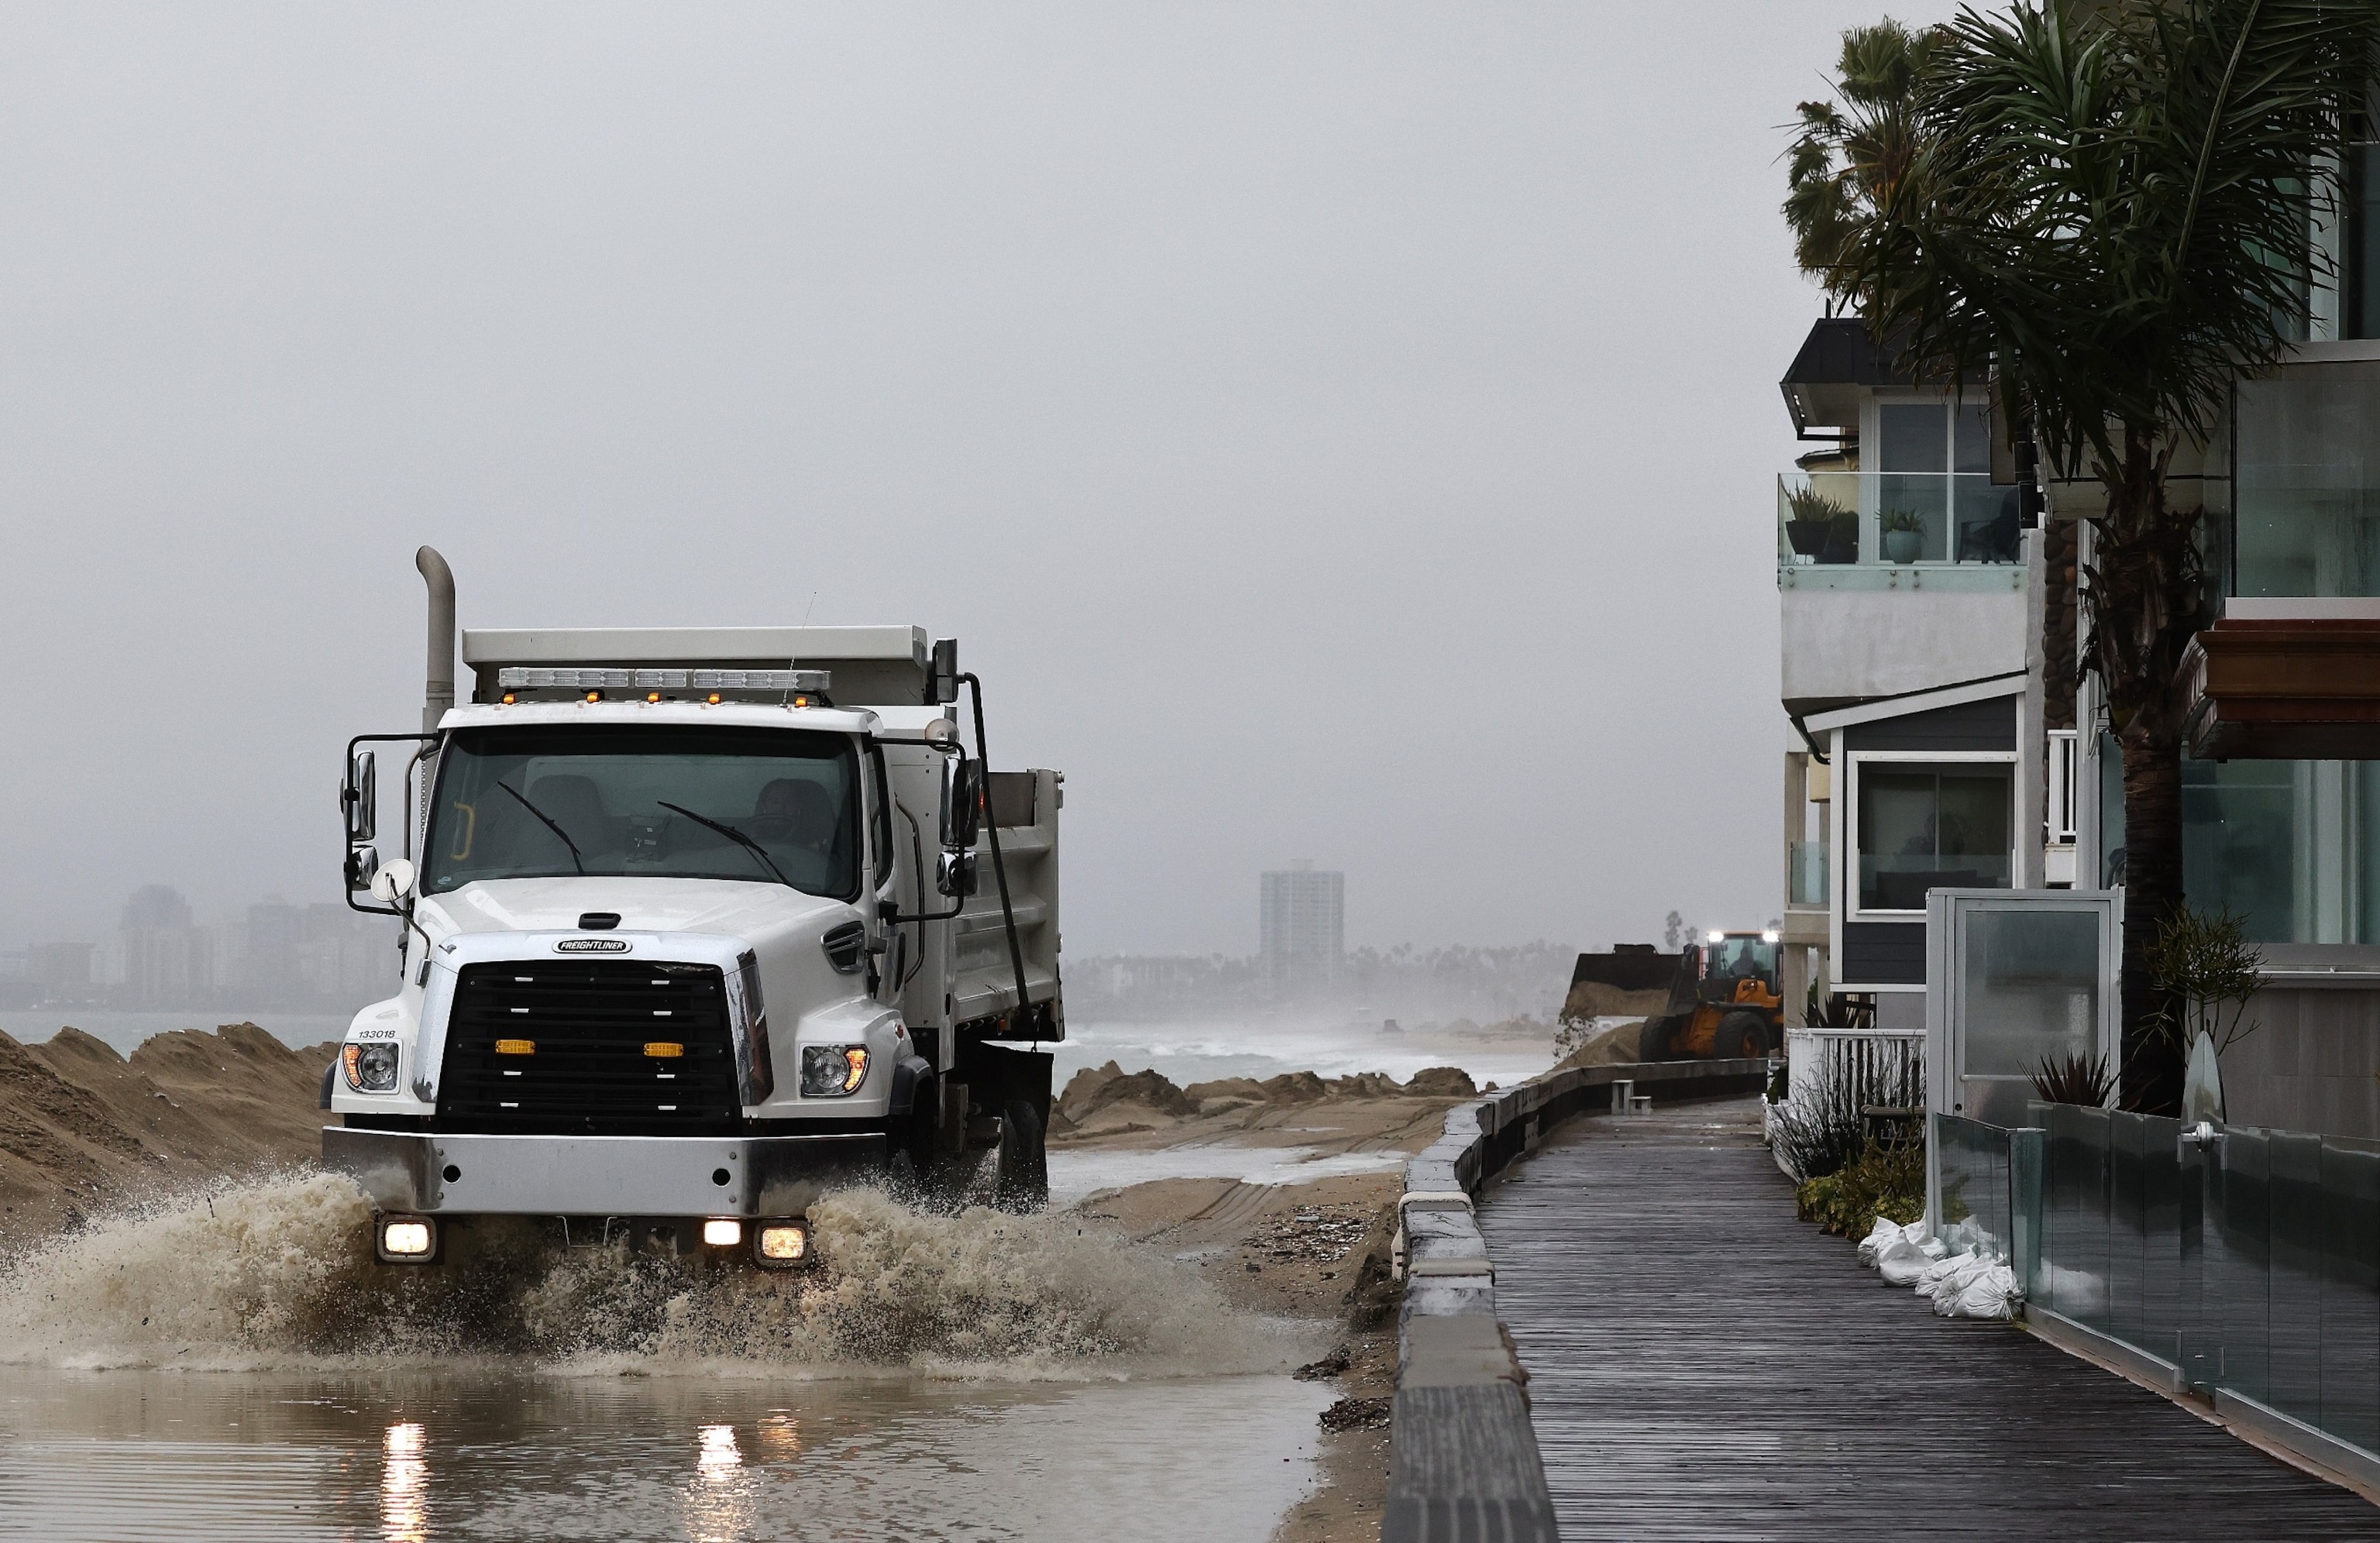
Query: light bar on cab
760, 680
525, 677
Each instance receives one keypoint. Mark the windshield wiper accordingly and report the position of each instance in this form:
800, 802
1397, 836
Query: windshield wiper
575, 861
738, 837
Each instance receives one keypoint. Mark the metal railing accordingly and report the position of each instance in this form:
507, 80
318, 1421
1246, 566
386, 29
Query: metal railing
2065, 766
1818, 1057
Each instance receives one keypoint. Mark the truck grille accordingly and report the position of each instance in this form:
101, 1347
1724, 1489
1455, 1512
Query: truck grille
594, 1062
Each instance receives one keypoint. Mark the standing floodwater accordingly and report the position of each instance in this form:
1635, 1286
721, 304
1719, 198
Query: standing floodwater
235, 1367
505, 1452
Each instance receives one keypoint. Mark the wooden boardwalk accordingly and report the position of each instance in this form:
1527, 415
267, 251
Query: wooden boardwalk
1702, 1365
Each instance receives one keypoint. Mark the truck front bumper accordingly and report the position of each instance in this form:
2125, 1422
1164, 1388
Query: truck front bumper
592, 1176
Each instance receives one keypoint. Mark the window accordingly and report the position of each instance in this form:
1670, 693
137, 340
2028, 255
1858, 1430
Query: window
2307, 513
1933, 461
2359, 277
768, 805
885, 865
1925, 826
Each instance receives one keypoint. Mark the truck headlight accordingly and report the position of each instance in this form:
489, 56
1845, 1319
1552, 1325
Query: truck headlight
405, 1240
832, 1071
781, 1245
370, 1068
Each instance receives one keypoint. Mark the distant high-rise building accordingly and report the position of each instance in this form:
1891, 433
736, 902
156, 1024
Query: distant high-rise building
167, 962
271, 971
346, 957
62, 970
1301, 926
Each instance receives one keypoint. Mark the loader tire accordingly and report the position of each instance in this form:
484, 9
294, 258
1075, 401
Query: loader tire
1740, 1037
1023, 1183
1652, 1039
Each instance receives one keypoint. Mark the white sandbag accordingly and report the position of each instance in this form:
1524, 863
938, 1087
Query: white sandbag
1883, 1232
1930, 1279
1945, 1281
1989, 1292
1904, 1258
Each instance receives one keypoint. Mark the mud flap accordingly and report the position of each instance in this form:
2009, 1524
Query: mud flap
996, 1074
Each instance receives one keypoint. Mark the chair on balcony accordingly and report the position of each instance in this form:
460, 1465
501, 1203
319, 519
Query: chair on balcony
1990, 540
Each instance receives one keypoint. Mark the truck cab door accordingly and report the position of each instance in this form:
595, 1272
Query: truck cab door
892, 962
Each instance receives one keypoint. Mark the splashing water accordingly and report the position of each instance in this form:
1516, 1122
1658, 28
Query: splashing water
280, 1271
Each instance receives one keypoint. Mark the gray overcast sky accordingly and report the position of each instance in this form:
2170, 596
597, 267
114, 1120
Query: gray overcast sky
1343, 431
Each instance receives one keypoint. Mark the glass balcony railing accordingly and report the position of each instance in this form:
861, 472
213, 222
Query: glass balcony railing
1890, 519
1807, 884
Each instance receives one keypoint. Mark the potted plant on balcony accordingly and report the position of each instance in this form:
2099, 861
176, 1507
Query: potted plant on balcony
1810, 520
1904, 535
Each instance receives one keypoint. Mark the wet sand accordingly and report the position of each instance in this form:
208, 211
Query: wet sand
1308, 1239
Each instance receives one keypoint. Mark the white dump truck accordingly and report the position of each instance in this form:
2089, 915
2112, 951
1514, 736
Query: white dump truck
695, 922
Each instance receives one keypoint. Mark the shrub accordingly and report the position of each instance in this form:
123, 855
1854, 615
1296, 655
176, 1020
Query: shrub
1888, 1182
2206, 970
1825, 1126
1811, 504
2074, 1079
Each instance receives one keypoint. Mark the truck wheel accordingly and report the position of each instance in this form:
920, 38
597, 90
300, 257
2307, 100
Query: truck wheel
1024, 1164
1652, 1039
910, 1164
1741, 1036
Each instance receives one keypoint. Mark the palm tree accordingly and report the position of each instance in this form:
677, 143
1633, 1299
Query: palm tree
2104, 208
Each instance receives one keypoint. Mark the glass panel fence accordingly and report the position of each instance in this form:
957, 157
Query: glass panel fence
1829, 518
2237, 1263
2074, 1223
2166, 1311
1971, 1162
2251, 1262
2347, 1232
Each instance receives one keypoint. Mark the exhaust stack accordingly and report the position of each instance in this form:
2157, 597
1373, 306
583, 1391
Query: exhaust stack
439, 682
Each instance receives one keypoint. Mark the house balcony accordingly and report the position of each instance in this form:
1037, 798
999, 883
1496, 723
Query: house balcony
2286, 679
1895, 583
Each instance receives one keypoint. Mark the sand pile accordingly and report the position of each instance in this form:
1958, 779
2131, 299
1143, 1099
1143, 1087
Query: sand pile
1595, 999
83, 1128
1108, 1099
1605, 1043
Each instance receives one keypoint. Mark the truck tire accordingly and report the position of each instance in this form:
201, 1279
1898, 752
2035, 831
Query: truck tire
1023, 1183
1652, 1039
1741, 1036
911, 1158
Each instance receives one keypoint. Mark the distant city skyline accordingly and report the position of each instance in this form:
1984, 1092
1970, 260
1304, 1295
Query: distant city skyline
272, 954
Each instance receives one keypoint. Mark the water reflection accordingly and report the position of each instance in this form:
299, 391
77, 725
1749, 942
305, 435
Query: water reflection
719, 1507
509, 1451
403, 1485
721, 1456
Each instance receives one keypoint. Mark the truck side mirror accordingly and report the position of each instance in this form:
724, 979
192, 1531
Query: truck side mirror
394, 883
944, 686
359, 796
362, 863
956, 874
961, 804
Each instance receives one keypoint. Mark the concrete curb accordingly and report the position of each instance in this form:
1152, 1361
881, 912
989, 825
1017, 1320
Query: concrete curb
1463, 1462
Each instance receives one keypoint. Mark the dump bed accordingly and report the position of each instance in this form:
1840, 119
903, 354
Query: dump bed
1024, 809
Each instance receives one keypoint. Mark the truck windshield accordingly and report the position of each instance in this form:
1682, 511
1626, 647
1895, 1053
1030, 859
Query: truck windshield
657, 802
